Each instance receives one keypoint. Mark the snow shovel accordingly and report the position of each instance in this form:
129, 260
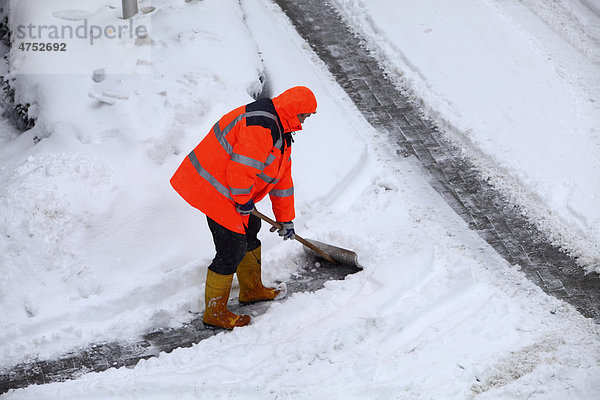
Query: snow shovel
333, 254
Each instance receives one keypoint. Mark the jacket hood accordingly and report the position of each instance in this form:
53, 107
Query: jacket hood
294, 101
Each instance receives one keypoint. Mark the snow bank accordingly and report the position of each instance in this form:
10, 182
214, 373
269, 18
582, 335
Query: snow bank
87, 214
520, 99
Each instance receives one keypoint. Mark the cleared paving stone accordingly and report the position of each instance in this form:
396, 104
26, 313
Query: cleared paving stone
388, 109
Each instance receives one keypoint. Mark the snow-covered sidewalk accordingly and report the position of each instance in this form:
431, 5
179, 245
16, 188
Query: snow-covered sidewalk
516, 85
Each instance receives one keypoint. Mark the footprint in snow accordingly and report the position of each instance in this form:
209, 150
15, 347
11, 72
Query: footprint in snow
72, 15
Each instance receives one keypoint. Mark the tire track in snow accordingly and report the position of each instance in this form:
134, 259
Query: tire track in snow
391, 111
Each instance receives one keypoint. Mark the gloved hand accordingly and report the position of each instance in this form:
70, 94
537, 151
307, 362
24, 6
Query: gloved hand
286, 231
245, 209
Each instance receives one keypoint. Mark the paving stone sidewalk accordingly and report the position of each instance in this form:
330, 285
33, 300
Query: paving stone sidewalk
483, 208
127, 353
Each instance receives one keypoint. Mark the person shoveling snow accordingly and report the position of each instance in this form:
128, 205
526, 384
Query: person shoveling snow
244, 157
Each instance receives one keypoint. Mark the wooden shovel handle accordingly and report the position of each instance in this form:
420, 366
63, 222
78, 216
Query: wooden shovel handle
299, 238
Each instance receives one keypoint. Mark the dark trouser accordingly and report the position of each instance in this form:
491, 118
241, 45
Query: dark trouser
231, 246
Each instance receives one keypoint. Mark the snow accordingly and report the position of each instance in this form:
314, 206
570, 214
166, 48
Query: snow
519, 94
97, 246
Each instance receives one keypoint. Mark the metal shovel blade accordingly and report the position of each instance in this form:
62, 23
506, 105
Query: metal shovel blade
333, 254
342, 256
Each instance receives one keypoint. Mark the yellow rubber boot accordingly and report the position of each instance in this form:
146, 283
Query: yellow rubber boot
216, 295
251, 287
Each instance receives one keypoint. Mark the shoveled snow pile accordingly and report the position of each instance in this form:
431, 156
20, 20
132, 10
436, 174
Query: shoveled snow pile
87, 215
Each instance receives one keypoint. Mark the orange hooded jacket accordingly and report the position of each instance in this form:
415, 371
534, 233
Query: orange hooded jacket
246, 155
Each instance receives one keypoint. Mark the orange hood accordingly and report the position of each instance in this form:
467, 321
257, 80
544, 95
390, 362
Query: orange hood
294, 101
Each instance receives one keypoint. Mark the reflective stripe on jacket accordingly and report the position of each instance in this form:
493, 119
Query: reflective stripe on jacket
246, 155
243, 157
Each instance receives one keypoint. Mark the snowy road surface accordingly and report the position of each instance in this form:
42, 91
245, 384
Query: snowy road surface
484, 208
96, 246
